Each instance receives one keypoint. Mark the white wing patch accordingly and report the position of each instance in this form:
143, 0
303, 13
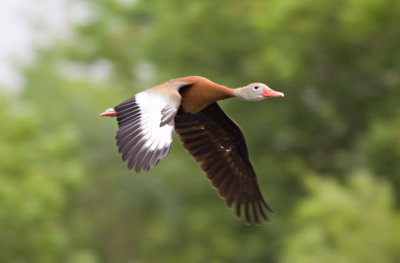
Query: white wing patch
146, 128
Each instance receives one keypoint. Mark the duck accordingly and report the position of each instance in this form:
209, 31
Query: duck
188, 106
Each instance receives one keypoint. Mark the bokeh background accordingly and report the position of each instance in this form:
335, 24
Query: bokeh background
327, 155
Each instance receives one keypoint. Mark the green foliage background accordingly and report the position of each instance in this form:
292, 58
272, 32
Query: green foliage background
327, 155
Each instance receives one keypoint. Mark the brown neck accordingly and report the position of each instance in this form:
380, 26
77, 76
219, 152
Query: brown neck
202, 93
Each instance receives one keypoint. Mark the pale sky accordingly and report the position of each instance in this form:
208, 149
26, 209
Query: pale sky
28, 23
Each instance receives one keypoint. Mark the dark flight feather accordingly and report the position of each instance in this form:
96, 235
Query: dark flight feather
217, 142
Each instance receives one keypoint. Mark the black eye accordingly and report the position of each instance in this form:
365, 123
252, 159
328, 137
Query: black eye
255, 87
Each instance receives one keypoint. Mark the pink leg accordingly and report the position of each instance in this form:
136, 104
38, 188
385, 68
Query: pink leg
109, 113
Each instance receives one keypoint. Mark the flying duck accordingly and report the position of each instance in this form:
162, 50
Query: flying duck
189, 106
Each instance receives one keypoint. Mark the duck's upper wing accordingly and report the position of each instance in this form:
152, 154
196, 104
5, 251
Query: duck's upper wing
146, 124
217, 142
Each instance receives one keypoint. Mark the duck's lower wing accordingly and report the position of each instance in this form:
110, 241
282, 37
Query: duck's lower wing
217, 143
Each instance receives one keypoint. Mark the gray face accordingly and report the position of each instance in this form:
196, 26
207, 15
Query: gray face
253, 91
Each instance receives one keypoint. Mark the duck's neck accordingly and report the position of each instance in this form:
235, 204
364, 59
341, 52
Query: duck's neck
197, 97
241, 93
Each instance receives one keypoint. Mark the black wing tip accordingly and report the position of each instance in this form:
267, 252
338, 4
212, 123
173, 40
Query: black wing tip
137, 171
255, 215
143, 160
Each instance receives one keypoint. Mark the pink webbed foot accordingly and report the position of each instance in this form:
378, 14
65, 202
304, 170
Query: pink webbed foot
109, 113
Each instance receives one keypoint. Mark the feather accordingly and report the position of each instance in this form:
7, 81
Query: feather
217, 142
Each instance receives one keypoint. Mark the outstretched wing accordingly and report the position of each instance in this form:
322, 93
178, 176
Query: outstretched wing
215, 141
146, 129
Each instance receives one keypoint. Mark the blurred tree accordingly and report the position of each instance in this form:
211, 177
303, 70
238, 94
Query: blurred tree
352, 223
39, 172
382, 149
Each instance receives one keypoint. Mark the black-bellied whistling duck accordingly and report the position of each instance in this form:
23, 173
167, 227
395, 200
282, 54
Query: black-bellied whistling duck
188, 105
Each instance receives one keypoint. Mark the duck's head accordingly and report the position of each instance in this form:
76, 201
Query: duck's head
256, 91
